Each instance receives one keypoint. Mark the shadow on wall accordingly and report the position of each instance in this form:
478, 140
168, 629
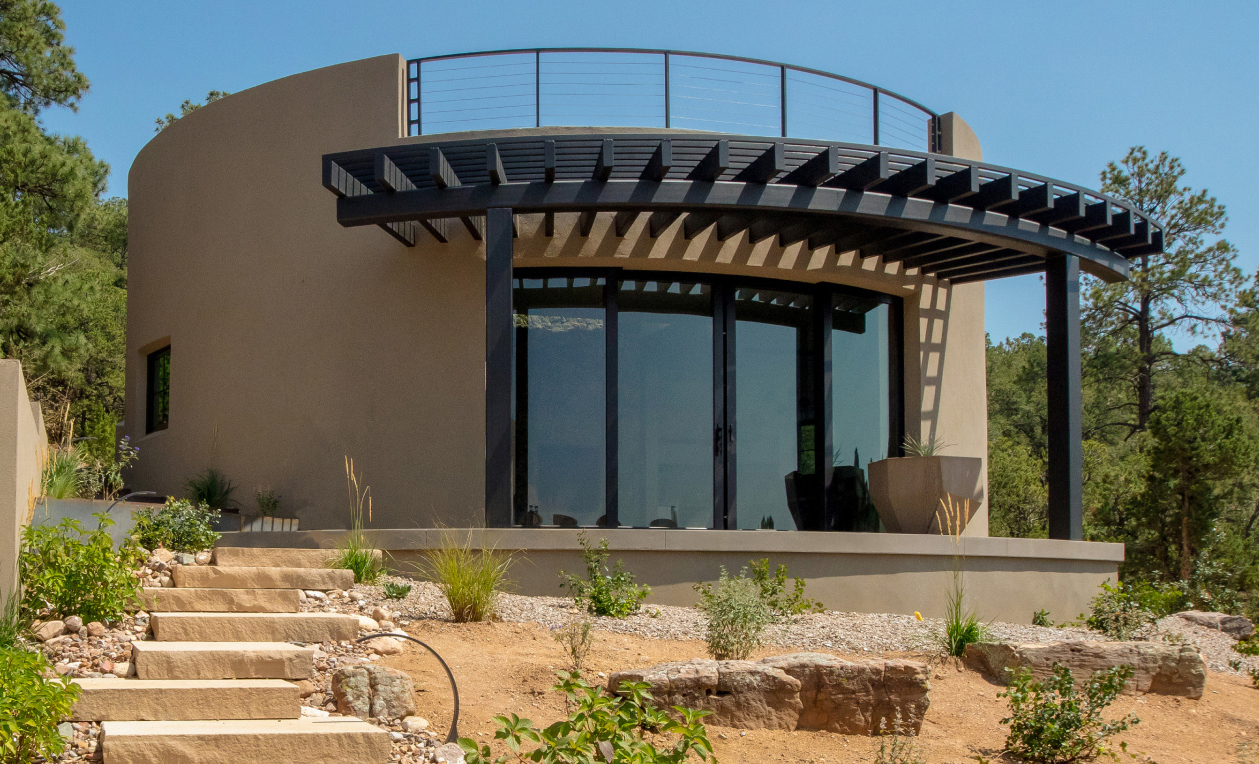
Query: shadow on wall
933, 331
23, 448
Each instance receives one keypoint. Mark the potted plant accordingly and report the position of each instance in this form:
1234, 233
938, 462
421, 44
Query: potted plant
907, 490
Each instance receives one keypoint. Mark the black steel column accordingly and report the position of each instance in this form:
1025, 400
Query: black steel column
823, 433
611, 404
1066, 447
498, 367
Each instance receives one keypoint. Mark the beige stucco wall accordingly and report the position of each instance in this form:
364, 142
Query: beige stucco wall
23, 447
296, 342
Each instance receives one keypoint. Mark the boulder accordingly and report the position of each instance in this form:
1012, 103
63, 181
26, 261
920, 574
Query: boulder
380, 614
385, 645
367, 624
49, 629
1158, 668
449, 753
73, 624
369, 691
1236, 626
809, 691
96, 629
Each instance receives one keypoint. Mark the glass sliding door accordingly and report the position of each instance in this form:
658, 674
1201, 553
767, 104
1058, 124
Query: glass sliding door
861, 419
559, 402
776, 466
665, 392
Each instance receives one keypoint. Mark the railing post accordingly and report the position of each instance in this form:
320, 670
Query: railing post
667, 105
782, 94
537, 87
498, 366
876, 116
1066, 448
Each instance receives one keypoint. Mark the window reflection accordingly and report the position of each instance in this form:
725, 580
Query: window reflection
861, 407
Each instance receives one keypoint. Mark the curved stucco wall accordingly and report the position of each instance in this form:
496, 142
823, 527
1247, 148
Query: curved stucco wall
295, 342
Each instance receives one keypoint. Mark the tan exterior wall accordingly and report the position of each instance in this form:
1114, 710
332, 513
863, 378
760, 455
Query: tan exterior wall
23, 447
296, 342
1007, 579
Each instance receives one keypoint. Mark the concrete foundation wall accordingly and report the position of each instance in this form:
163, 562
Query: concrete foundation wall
23, 448
1006, 579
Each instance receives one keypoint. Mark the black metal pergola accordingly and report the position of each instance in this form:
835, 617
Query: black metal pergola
953, 219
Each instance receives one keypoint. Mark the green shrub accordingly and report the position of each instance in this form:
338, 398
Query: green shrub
60, 475
1249, 671
396, 591
14, 624
1050, 722
355, 552
737, 615
31, 705
1041, 618
470, 579
621, 729
179, 526
603, 591
101, 476
268, 502
774, 591
66, 570
576, 638
1121, 613
1249, 647
210, 488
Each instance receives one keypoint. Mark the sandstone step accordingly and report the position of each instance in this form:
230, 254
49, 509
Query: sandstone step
214, 577
264, 557
113, 699
333, 740
219, 600
221, 660
253, 627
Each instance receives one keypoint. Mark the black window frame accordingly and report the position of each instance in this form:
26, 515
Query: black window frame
156, 416
725, 443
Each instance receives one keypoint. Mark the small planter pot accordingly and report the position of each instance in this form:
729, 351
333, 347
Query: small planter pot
907, 490
254, 524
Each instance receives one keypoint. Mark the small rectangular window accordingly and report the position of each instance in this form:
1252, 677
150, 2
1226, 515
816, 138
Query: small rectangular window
157, 395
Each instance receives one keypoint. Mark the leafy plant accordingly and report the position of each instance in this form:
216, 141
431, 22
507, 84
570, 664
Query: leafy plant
924, 446
355, 552
1119, 613
395, 591
737, 616
1249, 647
31, 704
210, 488
268, 502
895, 747
178, 526
774, 591
576, 639
102, 477
619, 729
604, 592
962, 626
1050, 722
470, 579
1041, 618
60, 475
66, 570
1249, 671
14, 624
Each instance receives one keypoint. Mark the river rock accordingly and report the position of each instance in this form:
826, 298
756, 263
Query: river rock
368, 691
96, 629
73, 624
49, 629
809, 691
1158, 668
449, 753
385, 645
380, 614
1236, 626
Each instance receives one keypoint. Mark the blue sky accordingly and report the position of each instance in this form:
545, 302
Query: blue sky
1057, 88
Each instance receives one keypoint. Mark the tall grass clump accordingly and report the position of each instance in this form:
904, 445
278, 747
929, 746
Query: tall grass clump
211, 488
355, 552
962, 626
469, 578
60, 475
14, 623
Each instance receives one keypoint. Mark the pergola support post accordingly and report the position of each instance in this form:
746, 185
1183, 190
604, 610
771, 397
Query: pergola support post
1066, 447
498, 366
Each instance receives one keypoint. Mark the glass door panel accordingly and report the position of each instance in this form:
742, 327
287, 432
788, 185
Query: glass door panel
665, 416
861, 407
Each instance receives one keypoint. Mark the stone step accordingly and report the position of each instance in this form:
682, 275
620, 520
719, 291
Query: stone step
219, 600
214, 577
253, 627
113, 699
332, 740
222, 660
263, 557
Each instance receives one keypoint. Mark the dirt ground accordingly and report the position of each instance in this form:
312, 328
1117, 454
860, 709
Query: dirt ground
505, 668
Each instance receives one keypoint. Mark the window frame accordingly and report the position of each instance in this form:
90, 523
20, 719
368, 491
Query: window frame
154, 392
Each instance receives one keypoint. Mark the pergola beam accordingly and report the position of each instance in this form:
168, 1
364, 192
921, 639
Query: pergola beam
765, 168
821, 168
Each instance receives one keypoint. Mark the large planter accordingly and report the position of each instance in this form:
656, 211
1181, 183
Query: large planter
907, 490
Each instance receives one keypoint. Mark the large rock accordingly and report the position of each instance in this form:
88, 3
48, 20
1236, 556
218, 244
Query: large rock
1235, 626
373, 691
1157, 667
809, 691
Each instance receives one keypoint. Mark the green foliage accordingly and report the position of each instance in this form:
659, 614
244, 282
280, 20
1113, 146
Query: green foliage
66, 570
924, 446
268, 502
470, 579
31, 705
180, 526
1248, 647
354, 551
102, 478
396, 591
737, 612
962, 626
36, 67
774, 591
59, 478
604, 592
14, 623
211, 488
895, 747
1019, 498
187, 107
620, 729
1249, 671
1050, 722
1041, 618
576, 638
1118, 612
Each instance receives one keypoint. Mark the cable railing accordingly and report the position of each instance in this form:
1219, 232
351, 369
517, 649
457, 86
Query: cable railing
621, 87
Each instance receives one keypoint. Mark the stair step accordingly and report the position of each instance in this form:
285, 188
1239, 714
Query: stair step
219, 600
112, 699
248, 627
332, 740
214, 577
263, 557
222, 660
